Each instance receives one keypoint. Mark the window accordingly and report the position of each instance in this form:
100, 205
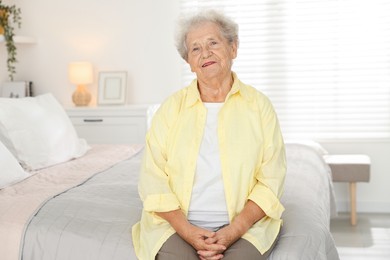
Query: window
325, 64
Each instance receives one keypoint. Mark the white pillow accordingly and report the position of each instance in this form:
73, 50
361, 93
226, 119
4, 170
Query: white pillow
11, 171
38, 131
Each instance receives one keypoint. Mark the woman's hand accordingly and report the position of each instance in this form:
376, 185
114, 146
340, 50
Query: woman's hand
197, 238
193, 235
229, 234
226, 236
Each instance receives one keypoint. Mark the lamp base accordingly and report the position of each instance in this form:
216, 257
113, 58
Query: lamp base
81, 96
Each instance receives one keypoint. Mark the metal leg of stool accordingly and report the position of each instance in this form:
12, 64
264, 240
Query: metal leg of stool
352, 193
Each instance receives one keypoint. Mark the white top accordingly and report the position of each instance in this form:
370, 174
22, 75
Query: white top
208, 204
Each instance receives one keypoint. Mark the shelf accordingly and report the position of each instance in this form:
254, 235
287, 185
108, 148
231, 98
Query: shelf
20, 39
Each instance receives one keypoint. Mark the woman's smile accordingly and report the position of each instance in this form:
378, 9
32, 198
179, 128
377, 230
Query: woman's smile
208, 64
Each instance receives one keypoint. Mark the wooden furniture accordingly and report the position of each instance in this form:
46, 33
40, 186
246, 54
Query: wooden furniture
351, 168
110, 124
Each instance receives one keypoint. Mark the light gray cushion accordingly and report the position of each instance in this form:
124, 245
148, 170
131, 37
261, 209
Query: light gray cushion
349, 167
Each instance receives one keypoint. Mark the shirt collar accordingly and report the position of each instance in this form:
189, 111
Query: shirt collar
193, 94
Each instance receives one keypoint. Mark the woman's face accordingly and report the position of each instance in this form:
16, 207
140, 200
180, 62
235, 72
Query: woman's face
210, 55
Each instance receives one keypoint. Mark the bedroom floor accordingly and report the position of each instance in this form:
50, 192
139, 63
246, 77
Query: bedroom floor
369, 239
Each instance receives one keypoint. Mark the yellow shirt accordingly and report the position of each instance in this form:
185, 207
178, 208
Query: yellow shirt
252, 160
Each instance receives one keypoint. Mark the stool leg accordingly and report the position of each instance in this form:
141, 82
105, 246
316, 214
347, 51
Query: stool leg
352, 193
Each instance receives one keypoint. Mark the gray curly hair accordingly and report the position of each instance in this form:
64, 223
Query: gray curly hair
228, 27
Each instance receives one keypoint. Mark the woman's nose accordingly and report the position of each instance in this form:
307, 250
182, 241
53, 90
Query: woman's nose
206, 53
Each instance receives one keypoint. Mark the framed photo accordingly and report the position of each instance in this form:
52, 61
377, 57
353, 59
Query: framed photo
15, 89
112, 88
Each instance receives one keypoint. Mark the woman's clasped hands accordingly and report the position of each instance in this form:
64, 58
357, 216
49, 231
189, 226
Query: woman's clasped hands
211, 245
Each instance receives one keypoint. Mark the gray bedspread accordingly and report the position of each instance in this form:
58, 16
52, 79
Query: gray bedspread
309, 202
93, 220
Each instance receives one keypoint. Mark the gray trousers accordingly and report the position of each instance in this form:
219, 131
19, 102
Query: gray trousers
176, 248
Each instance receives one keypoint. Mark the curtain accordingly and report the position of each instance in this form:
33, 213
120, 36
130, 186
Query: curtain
325, 64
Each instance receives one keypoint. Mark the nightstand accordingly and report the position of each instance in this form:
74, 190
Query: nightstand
110, 124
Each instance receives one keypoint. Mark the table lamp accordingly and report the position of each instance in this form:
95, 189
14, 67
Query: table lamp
81, 74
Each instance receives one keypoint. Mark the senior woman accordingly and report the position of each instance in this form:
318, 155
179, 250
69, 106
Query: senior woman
214, 162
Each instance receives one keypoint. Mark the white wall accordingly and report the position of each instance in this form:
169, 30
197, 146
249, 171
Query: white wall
117, 35
137, 36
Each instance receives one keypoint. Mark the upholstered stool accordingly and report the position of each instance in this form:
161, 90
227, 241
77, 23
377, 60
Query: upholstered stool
350, 168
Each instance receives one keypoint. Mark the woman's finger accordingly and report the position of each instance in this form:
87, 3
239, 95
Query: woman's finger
209, 255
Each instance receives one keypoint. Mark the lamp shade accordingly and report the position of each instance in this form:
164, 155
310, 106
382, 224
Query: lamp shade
80, 73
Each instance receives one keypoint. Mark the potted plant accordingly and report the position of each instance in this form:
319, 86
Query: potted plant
10, 16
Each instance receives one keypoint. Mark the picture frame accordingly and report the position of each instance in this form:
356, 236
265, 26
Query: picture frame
15, 89
112, 88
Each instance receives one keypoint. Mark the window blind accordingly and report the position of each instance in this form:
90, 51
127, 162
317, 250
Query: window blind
325, 64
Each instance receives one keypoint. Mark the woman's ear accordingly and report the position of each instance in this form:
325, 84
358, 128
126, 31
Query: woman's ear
234, 47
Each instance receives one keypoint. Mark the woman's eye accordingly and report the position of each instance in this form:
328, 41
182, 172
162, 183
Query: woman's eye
214, 43
195, 49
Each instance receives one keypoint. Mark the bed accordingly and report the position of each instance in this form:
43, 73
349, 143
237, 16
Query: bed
84, 207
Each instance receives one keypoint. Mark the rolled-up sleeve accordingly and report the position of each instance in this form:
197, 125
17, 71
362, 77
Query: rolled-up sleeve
271, 173
154, 188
